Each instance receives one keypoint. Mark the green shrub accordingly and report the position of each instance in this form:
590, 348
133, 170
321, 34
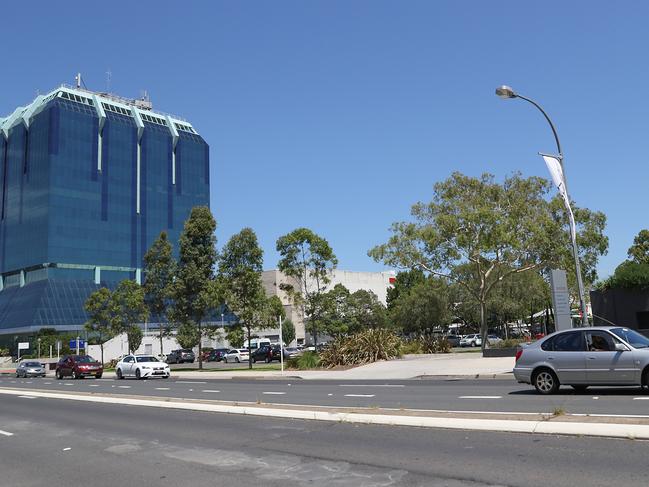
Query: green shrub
434, 343
411, 347
308, 360
362, 348
628, 275
4, 352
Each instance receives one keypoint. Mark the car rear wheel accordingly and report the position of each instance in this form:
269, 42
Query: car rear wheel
138, 375
59, 375
268, 360
645, 380
74, 374
119, 374
546, 382
237, 359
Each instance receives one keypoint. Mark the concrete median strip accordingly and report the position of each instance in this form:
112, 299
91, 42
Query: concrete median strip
545, 425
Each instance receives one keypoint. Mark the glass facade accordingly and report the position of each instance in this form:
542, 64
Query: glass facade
69, 204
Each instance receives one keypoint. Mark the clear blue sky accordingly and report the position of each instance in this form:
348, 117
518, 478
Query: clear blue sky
338, 115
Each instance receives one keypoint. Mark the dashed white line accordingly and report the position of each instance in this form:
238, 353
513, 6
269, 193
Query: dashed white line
27, 397
359, 395
68, 384
272, 393
124, 387
161, 388
93, 385
641, 398
189, 382
371, 385
210, 390
47, 383
5, 433
480, 397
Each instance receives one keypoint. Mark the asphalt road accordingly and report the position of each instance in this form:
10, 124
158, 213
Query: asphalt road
454, 395
58, 442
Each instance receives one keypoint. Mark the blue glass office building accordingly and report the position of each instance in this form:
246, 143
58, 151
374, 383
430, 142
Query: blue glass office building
87, 183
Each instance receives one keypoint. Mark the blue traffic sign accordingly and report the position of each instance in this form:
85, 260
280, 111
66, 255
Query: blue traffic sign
73, 344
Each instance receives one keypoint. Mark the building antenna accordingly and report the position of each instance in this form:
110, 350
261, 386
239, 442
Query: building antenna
108, 76
77, 79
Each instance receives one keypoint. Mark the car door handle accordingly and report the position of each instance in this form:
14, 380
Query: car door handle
592, 358
550, 358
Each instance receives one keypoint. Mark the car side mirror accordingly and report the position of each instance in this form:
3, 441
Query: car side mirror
620, 347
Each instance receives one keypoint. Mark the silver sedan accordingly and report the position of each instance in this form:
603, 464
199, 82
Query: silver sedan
595, 356
30, 369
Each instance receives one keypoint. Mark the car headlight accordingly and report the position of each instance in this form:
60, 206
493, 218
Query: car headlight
146, 367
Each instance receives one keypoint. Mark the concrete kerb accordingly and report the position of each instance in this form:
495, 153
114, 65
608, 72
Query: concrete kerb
543, 426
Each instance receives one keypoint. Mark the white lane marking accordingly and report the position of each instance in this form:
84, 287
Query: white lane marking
371, 385
191, 390
47, 383
274, 393
68, 384
209, 390
161, 388
189, 382
93, 385
359, 395
329, 394
110, 380
27, 397
480, 397
28, 382
67, 449
124, 387
641, 398
595, 397
5, 433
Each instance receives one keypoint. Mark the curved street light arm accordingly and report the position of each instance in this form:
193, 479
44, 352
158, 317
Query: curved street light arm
554, 130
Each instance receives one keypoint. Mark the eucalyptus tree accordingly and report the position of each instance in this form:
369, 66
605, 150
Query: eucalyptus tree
100, 308
129, 311
476, 232
308, 260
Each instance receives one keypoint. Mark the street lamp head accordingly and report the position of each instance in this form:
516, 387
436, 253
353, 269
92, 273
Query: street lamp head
505, 92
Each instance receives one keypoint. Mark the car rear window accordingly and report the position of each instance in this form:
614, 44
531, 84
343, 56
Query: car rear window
571, 341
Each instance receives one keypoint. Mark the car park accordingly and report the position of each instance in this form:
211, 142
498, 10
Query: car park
583, 357
181, 356
217, 354
453, 340
237, 355
292, 352
78, 367
141, 367
30, 368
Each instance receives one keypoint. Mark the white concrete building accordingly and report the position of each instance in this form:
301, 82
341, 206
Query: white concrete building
377, 282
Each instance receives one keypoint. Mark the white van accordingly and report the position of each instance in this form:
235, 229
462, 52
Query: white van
255, 343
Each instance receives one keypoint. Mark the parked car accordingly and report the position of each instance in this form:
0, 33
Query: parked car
217, 354
141, 367
78, 367
473, 340
205, 353
237, 355
494, 339
181, 356
453, 340
292, 352
604, 356
267, 353
30, 369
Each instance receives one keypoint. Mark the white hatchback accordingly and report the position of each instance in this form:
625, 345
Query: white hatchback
141, 367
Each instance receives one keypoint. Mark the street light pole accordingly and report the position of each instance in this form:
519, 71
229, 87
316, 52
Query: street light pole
506, 92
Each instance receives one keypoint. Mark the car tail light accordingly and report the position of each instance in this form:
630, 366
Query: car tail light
518, 354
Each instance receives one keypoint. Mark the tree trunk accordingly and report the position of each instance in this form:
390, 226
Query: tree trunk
483, 323
160, 333
249, 330
200, 345
101, 346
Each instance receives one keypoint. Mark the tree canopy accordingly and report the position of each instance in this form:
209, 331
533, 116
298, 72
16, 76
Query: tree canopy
477, 232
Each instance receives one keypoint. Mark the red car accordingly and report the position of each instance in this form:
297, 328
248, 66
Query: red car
78, 367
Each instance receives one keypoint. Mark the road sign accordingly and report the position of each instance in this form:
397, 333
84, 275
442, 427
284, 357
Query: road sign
560, 299
23, 346
73, 344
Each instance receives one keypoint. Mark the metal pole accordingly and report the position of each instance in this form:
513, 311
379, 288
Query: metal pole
77, 345
281, 346
573, 230
39, 348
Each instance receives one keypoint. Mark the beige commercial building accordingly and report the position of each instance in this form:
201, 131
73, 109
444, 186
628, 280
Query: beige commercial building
377, 282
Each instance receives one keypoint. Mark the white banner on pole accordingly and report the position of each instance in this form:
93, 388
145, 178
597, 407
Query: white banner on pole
554, 166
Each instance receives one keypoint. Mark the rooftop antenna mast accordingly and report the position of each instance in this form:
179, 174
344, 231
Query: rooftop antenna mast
77, 79
108, 76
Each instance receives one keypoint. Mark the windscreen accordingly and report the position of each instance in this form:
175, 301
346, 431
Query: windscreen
632, 337
147, 359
